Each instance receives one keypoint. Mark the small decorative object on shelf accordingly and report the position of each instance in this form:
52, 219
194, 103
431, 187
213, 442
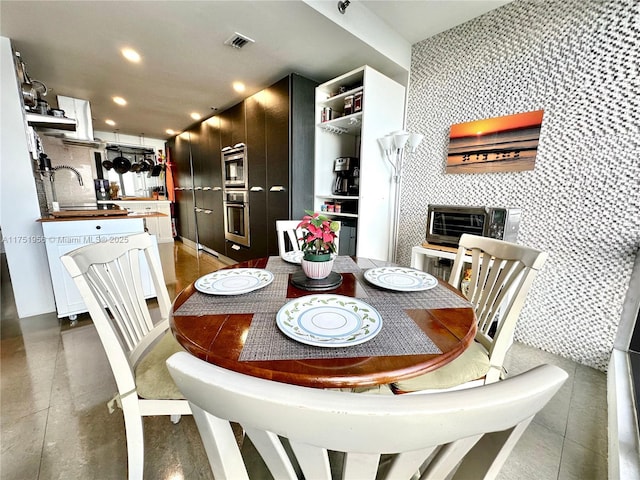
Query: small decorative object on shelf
318, 243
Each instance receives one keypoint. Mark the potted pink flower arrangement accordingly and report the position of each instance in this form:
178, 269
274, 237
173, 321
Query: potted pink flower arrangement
318, 243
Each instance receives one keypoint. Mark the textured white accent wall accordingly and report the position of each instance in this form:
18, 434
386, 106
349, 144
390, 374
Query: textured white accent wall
579, 61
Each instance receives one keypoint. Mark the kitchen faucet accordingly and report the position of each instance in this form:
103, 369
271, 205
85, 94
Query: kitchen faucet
58, 167
47, 169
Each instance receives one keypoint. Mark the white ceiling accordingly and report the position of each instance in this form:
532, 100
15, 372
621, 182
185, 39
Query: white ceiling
73, 47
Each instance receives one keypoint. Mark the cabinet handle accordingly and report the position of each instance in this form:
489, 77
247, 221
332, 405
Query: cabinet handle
224, 149
198, 188
198, 210
206, 188
217, 189
98, 227
238, 145
235, 247
208, 212
256, 189
277, 188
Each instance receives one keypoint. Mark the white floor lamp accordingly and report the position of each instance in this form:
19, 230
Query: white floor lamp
393, 147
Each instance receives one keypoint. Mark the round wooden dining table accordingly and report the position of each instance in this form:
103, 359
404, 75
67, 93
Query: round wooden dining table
217, 328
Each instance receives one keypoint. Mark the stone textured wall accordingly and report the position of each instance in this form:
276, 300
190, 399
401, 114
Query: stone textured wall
579, 61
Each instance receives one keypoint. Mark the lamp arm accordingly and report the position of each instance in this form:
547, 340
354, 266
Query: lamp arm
387, 155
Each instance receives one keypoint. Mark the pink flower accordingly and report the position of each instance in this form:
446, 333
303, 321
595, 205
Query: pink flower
318, 235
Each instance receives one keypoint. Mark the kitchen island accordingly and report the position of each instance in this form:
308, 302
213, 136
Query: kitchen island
158, 225
64, 233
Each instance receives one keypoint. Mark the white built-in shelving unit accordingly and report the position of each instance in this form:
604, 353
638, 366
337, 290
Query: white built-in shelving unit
368, 215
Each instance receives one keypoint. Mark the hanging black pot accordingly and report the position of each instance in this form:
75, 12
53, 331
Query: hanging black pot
121, 165
108, 164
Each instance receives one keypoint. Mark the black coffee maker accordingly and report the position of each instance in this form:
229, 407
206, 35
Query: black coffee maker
346, 171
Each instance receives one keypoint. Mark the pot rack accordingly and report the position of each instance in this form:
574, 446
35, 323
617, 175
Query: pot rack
130, 149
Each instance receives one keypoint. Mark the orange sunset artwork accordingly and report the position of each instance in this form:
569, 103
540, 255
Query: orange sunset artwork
500, 144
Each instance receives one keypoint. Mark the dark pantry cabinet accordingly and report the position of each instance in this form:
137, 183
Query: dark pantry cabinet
207, 183
232, 126
277, 127
290, 152
179, 149
280, 152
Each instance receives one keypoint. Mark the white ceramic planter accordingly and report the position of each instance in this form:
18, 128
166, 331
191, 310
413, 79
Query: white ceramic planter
317, 270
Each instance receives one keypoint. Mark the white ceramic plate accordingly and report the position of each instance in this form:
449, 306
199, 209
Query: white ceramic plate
400, 279
329, 320
293, 256
234, 281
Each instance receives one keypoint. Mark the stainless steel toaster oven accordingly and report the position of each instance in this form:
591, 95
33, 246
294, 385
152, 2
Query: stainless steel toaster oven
447, 223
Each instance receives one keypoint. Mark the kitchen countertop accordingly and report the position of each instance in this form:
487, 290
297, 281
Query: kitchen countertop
51, 218
133, 199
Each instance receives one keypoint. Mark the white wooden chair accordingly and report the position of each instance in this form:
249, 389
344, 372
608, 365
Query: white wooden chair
501, 276
288, 229
108, 274
428, 434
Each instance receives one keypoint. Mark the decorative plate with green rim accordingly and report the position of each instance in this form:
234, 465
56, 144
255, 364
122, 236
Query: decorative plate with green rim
329, 320
293, 256
234, 281
400, 279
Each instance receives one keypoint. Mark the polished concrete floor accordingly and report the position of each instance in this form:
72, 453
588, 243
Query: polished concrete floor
55, 382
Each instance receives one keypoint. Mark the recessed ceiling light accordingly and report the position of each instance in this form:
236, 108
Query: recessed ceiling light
238, 86
130, 54
110, 122
196, 116
120, 100
169, 131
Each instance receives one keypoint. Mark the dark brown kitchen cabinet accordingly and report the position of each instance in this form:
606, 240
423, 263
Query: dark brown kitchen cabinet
208, 185
257, 161
232, 126
280, 153
179, 149
277, 127
289, 118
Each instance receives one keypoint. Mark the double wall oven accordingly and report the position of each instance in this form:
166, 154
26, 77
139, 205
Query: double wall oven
236, 196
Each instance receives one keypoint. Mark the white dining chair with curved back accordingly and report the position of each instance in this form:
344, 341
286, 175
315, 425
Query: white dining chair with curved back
501, 276
108, 276
289, 236
475, 428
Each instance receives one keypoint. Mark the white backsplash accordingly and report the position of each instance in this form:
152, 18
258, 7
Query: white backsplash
67, 188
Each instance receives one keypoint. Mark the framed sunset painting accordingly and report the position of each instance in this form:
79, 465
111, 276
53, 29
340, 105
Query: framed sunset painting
500, 144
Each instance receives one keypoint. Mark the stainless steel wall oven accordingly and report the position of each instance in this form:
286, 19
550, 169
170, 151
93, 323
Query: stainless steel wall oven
236, 216
234, 167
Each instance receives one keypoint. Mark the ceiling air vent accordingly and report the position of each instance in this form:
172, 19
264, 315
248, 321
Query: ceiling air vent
237, 40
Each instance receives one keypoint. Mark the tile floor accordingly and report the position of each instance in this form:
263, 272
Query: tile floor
55, 382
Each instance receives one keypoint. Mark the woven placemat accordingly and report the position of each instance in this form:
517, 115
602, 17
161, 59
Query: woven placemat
267, 299
399, 336
436, 297
341, 264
